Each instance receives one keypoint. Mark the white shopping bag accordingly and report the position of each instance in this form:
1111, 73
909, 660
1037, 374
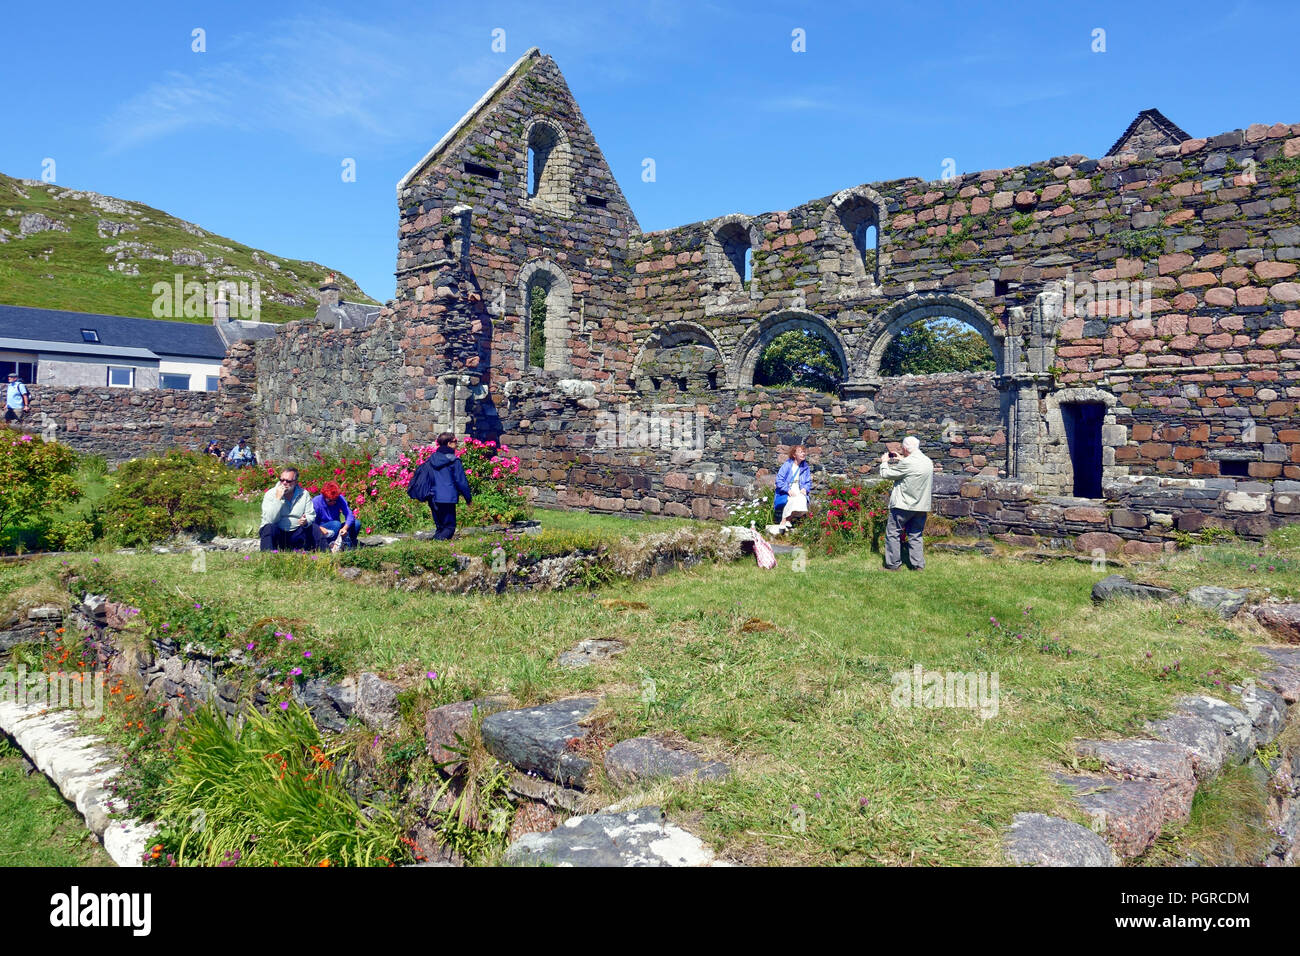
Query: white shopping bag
763, 552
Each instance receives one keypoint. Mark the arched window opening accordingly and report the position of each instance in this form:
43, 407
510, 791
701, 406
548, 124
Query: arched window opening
548, 172
738, 252
935, 345
799, 358
538, 290
859, 219
865, 242
545, 309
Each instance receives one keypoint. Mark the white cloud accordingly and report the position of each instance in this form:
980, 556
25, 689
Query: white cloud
329, 83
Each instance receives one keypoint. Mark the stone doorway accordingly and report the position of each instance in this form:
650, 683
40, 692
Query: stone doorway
1083, 422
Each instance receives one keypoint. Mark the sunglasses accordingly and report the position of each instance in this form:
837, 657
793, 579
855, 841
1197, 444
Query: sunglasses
287, 481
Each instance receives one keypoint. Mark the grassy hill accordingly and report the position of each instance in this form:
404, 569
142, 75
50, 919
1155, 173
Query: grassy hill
93, 253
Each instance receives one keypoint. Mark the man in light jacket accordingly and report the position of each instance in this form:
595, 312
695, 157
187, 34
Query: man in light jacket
909, 502
287, 515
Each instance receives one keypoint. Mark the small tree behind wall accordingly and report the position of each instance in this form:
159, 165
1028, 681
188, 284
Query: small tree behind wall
537, 326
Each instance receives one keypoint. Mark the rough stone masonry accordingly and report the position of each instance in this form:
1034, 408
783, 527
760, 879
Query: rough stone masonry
1142, 310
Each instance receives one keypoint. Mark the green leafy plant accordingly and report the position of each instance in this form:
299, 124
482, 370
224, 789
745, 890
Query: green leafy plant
478, 821
36, 476
1141, 243
154, 499
268, 794
757, 511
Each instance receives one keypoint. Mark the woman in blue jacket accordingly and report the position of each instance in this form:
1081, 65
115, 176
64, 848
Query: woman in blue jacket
441, 482
794, 471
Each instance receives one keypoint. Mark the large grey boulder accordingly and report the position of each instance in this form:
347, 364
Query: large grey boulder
1202, 737
376, 701
1224, 601
1266, 710
644, 758
636, 838
1116, 586
543, 739
1035, 839
330, 704
1238, 729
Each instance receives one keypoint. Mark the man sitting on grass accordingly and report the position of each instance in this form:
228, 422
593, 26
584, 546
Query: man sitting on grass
287, 515
241, 456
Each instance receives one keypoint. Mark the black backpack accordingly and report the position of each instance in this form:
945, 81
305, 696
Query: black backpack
421, 486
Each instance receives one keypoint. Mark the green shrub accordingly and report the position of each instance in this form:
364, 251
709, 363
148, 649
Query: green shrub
72, 534
268, 794
154, 499
36, 477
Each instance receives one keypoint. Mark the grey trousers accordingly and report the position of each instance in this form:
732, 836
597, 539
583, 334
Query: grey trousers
901, 522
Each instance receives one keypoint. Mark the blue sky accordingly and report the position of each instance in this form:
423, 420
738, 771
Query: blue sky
248, 138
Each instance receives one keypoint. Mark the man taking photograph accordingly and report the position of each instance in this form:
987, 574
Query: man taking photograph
909, 502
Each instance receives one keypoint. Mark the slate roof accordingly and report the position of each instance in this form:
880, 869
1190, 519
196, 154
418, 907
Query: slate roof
55, 330
1161, 122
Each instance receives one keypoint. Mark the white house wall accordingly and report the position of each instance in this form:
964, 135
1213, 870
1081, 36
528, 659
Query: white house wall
198, 371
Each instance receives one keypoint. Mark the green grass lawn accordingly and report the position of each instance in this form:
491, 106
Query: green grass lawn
40, 827
787, 676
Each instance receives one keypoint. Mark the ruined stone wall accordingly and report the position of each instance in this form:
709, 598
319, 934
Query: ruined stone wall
121, 423
694, 454
957, 418
1204, 238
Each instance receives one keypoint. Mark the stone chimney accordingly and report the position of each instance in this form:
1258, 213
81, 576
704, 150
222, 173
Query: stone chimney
220, 308
329, 293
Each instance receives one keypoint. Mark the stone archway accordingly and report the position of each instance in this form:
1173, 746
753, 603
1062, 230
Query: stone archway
675, 335
751, 344
916, 308
559, 306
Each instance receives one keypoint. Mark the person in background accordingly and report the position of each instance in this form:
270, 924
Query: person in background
18, 401
441, 482
794, 473
241, 456
335, 526
287, 515
909, 502
214, 450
